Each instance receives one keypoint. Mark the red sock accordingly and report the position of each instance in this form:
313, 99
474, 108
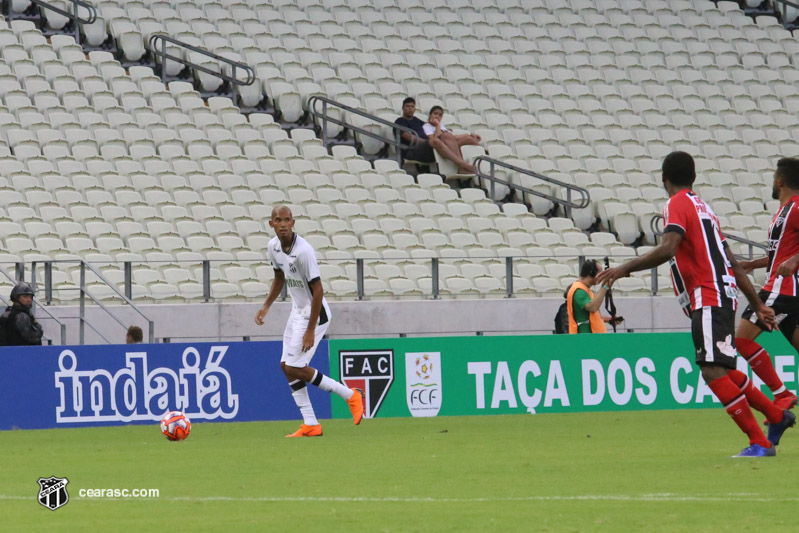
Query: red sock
734, 401
756, 399
761, 364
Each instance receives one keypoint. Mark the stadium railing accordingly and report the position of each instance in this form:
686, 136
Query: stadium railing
750, 245
84, 294
157, 45
490, 175
123, 292
783, 8
314, 102
72, 15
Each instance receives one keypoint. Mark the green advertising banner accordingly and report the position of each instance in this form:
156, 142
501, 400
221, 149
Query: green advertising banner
532, 374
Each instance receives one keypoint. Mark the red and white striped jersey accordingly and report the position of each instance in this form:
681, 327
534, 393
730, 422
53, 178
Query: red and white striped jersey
701, 273
783, 242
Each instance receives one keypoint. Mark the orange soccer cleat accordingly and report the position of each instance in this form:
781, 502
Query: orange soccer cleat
356, 405
308, 431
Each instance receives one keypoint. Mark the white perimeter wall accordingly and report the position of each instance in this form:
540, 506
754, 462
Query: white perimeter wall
233, 321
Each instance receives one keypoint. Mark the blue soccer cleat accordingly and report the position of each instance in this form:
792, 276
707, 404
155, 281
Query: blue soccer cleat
775, 431
756, 450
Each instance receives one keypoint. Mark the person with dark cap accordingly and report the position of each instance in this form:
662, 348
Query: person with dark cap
18, 326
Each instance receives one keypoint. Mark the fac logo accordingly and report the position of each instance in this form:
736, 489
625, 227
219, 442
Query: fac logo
372, 371
53, 492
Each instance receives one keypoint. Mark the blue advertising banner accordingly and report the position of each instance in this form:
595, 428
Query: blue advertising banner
73, 386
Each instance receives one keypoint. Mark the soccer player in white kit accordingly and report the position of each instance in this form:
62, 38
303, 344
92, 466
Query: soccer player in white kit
294, 261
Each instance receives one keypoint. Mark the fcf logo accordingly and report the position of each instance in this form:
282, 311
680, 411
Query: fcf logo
53, 492
423, 383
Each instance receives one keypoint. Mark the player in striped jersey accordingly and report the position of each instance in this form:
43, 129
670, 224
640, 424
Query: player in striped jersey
294, 261
706, 279
781, 291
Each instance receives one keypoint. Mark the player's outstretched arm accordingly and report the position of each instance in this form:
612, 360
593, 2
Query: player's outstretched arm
749, 266
277, 285
656, 256
764, 313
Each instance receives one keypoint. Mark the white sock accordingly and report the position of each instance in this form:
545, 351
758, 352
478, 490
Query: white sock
303, 401
331, 385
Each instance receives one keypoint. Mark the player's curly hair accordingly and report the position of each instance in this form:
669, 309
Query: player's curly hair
788, 169
679, 169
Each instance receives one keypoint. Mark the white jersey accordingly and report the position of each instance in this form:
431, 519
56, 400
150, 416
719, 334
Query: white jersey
299, 267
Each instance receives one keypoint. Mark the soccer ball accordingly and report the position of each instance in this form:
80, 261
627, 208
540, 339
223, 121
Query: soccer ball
424, 366
175, 425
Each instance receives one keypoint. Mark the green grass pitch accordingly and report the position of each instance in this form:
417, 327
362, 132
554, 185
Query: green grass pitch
636, 471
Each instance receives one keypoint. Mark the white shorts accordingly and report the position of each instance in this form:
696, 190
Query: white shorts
292, 340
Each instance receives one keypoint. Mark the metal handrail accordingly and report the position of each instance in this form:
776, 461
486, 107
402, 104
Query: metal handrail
361, 294
775, 7
785, 4
37, 304
653, 225
161, 52
119, 293
314, 100
73, 15
781, 7
568, 204
752, 244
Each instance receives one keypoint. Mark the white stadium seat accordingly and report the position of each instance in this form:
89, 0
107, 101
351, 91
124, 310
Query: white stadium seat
117, 163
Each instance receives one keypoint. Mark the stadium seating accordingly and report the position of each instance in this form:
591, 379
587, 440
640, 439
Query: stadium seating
103, 162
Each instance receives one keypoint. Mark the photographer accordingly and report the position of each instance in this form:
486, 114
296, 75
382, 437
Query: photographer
18, 326
583, 306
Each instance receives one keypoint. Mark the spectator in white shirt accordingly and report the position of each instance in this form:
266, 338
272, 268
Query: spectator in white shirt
435, 130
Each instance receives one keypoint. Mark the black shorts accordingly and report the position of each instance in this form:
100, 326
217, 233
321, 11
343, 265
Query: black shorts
713, 332
421, 151
785, 307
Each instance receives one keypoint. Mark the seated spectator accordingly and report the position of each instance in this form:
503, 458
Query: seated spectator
423, 149
434, 129
436, 114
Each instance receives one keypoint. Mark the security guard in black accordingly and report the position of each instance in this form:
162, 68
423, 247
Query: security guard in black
18, 326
